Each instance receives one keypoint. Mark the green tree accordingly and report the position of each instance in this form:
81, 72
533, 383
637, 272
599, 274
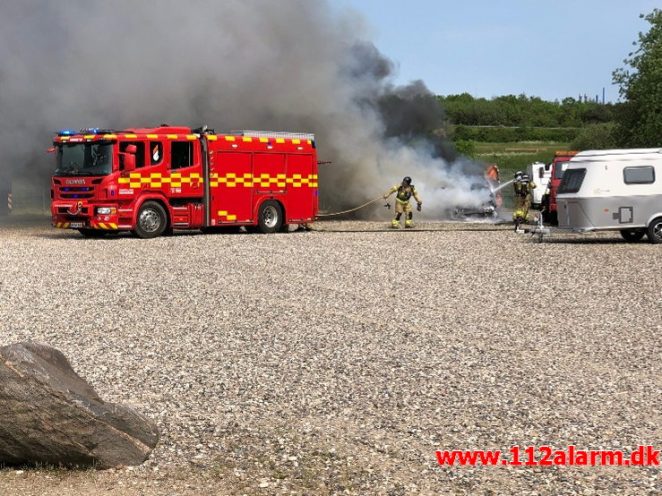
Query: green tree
640, 117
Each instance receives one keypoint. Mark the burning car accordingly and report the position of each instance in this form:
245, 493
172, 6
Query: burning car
482, 188
486, 189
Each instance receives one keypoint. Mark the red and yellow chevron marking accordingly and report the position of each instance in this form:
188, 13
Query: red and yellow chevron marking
224, 215
106, 226
264, 180
137, 180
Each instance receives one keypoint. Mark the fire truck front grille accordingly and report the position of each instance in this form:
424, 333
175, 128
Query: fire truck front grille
76, 219
65, 211
76, 192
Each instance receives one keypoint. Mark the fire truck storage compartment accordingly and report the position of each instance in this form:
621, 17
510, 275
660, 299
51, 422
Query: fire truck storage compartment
301, 202
241, 181
231, 181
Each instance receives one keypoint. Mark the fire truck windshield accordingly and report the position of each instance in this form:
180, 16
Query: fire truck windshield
559, 169
84, 159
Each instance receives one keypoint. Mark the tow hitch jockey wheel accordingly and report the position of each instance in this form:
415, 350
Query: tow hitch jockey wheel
152, 220
632, 235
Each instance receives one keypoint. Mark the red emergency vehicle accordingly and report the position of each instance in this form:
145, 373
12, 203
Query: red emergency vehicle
151, 181
559, 165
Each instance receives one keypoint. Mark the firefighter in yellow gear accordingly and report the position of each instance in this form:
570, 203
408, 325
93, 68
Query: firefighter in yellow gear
404, 191
523, 187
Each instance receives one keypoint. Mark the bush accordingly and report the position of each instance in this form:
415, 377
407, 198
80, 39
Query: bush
466, 148
596, 137
512, 134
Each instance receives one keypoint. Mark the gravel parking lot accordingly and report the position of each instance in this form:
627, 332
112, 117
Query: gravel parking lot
339, 360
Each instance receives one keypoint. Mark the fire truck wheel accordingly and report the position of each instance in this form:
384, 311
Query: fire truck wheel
655, 231
92, 233
152, 220
270, 217
632, 235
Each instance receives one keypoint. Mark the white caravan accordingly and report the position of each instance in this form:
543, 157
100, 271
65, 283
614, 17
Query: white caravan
540, 174
613, 190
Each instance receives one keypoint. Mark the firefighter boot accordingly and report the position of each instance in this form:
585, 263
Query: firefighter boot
395, 224
409, 223
519, 217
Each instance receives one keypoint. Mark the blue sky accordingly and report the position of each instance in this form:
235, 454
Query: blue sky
546, 48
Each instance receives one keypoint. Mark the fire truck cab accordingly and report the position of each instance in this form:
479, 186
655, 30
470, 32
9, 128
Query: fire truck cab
152, 181
558, 167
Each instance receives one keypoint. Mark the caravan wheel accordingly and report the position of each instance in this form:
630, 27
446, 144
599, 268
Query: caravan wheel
655, 231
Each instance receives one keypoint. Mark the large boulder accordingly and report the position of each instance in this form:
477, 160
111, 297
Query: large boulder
49, 414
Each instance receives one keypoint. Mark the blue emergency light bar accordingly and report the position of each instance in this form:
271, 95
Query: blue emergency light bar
67, 132
96, 130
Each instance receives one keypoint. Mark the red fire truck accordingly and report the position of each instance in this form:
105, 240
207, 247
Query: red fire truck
559, 164
152, 181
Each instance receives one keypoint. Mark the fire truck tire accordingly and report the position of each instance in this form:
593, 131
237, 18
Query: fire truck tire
92, 233
632, 235
152, 220
654, 232
270, 217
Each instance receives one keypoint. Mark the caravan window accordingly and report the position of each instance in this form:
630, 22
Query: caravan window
572, 181
639, 175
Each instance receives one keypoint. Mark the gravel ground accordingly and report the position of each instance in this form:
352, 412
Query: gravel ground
339, 360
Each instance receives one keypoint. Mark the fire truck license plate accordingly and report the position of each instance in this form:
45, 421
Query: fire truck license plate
77, 225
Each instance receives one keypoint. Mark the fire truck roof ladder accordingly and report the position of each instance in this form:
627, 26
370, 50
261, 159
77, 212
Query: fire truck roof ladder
274, 134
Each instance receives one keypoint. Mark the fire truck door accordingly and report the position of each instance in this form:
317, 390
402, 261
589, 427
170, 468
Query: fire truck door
302, 191
231, 188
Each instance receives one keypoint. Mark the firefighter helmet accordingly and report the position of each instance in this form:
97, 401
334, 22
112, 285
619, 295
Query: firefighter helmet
406, 181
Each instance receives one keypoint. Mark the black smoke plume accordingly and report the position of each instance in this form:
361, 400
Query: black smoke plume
295, 65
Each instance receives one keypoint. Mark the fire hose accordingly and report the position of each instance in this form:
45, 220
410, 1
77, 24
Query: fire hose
379, 198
